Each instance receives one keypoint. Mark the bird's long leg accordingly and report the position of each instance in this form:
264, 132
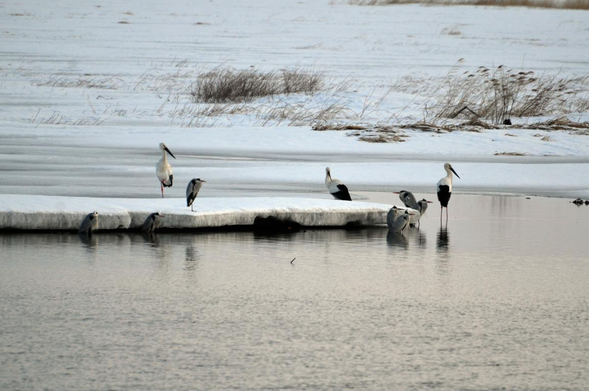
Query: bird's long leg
162, 186
192, 207
446, 215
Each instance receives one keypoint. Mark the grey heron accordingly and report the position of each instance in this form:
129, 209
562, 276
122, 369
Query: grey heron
444, 189
407, 198
152, 222
421, 208
336, 188
163, 169
192, 191
397, 220
89, 224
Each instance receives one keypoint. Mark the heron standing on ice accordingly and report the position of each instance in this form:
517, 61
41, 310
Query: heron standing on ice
192, 191
89, 224
336, 188
163, 170
444, 187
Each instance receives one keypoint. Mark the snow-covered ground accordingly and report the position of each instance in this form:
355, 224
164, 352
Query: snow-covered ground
87, 91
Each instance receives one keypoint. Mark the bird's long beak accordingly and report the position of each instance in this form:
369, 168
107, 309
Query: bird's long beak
431, 202
172, 155
202, 180
396, 192
455, 172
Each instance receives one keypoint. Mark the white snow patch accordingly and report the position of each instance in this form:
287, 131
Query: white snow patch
66, 213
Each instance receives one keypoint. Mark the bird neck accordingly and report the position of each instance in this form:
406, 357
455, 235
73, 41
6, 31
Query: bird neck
165, 158
327, 178
449, 174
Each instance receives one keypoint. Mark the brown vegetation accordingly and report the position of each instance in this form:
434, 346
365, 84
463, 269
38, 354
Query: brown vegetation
563, 4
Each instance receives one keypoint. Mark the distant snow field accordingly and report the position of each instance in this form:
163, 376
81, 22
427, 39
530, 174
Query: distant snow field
89, 90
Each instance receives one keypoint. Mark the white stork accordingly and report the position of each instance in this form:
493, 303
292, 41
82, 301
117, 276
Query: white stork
444, 189
163, 170
336, 188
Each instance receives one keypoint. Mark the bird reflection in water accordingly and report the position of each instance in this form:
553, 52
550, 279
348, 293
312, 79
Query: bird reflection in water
191, 259
397, 239
150, 237
443, 240
88, 240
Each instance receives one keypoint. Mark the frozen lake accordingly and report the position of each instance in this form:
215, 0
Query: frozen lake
497, 300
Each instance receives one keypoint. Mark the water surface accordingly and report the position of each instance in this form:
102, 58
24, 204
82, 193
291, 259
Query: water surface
497, 299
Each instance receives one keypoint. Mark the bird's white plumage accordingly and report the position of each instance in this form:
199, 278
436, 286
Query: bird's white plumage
163, 169
447, 180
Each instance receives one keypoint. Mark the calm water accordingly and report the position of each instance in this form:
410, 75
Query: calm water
498, 300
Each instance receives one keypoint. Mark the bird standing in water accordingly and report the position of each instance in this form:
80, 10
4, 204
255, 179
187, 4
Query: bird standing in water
163, 170
444, 189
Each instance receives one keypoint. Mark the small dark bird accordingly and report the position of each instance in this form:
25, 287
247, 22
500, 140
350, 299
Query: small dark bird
152, 222
89, 224
192, 191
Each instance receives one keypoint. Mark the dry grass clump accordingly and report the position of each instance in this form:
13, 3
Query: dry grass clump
500, 94
562, 4
224, 85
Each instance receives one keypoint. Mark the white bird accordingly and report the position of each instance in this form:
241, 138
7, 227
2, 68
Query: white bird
192, 191
336, 188
152, 222
163, 170
397, 221
444, 189
89, 224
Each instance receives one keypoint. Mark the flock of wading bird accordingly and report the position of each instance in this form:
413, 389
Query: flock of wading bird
397, 219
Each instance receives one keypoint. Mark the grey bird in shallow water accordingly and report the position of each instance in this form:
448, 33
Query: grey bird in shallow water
407, 198
89, 224
397, 220
192, 191
152, 222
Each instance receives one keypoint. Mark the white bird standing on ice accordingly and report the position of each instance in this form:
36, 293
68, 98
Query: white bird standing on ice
163, 170
444, 188
336, 188
192, 191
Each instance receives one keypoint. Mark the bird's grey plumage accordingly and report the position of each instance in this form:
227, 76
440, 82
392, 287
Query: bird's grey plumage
422, 206
192, 191
89, 224
400, 223
152, 222
408, 199
392, 216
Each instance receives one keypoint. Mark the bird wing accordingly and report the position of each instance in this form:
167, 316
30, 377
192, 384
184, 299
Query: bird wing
86, 223
400, 223
192, 191
341, 193
410, 200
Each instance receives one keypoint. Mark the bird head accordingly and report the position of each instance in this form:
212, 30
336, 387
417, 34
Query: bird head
448, 168
164, 148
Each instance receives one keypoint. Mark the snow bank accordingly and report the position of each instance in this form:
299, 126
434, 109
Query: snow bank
66, 213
